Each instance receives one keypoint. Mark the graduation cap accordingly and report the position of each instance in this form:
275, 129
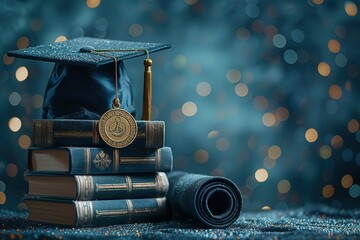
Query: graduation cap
83, 83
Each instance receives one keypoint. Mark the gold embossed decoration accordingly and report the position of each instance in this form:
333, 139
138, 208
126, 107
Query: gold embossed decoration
102, 161
117, 128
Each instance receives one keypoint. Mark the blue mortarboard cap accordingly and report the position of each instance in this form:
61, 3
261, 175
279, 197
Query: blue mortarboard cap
82, 84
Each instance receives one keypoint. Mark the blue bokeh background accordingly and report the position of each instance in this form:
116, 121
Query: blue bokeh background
265, 93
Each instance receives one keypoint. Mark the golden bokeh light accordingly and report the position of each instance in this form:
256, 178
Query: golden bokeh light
334, 46
136, 30
325, 152
60, 39
37, 101
179, 62
347, 181
36, 25
203, 89
241, 89
268, 119
317, 2
337, 142
201, 156
335, 92
353, 125
189, 109
233, 75
266, 208
222, 144
311, 135
11, 170
261, 103
21, 73
8, 60
269, 163
14, 124
2, 198
324, 69
350, 8
93, 3
24, 141
243, 34
328, 191
213, 134
284, 186
282, 113
261, 175
23, 42
177, 116
274, 152
348, 86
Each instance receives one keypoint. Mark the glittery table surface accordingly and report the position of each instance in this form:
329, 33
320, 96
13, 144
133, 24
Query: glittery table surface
309, 222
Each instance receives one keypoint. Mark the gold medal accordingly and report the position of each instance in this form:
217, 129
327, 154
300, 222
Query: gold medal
117, 128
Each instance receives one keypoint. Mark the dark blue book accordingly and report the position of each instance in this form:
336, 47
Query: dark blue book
78, 161
97, 187
85, 133
95, 213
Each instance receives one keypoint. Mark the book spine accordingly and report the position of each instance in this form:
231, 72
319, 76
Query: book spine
109, 212
50, 133
121, 187
112, 160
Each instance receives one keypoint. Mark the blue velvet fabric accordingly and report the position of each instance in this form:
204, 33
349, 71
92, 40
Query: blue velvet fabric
82, 92
213, 202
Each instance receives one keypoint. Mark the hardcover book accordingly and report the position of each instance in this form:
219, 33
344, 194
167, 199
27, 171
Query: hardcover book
85, 133
95, 213
76, 160
85, 187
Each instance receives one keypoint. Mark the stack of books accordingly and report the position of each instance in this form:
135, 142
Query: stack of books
75, 179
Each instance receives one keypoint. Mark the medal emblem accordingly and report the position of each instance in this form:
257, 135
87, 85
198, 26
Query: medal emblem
117, 128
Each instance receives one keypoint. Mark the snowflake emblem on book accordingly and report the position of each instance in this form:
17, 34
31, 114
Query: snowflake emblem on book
102, 161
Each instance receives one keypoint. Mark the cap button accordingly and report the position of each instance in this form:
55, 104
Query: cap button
87, 49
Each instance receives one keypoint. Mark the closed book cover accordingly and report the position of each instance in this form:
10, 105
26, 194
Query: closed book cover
95, 213
85, 133
92, 187
77, 160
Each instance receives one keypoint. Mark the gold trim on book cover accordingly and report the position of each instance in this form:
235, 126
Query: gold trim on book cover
77, 134
111, 213
95, 133
138, 160
144, 186
85, 187
154, 134
85, 214
110, 187
158, 158
131, 209
161, 203
102, 161
116, 156
160, 186
148, 133
129, 184
87, 154
49, 132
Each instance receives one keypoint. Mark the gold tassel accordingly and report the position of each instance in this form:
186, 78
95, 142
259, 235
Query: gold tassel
146, 114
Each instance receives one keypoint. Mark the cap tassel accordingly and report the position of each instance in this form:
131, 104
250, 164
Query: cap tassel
147, 96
